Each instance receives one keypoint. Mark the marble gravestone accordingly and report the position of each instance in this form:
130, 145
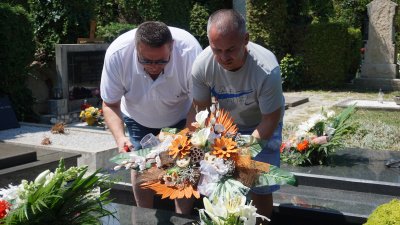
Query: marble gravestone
379, 68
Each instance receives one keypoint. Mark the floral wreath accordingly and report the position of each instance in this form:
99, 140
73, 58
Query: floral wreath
209, 161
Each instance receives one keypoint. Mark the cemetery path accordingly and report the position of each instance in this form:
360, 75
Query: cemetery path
317, 100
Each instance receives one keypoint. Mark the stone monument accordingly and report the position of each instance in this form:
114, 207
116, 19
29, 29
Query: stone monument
379, 68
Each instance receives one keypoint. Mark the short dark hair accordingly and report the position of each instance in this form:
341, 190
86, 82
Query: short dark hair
226, 20
153, 33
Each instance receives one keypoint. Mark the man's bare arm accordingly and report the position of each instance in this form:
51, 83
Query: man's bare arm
268, 124
112, 116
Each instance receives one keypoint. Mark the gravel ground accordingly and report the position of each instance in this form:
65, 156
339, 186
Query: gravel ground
79, 139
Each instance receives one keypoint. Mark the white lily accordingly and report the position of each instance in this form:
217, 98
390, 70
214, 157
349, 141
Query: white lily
200, 138
201, 118
214, 212
41, 178
212, 108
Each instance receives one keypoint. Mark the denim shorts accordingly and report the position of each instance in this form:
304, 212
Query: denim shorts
137, 131
270, 154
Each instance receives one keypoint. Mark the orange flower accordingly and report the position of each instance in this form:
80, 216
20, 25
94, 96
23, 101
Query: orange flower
302, 146
184, 132
171, 192
283, 146
226, 120
224, 148
180, 147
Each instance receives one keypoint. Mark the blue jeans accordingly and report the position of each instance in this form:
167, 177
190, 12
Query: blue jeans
137, 131
270, 154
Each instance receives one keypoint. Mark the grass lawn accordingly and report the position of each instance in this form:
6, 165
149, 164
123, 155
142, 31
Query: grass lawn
377, 129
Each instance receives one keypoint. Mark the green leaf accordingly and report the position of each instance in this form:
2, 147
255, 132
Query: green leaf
229, 185
126, 156
276, 176
170, 130
255, 149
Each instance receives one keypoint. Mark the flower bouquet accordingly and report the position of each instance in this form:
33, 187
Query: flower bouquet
229, 210
92, 116
212, 160
315, 139
67, 196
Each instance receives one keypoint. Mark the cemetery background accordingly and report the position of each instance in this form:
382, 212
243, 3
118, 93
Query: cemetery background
317, 42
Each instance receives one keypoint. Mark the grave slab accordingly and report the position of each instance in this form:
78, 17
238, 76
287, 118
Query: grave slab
96, 147
295, 101
344, 192
370, 104
45, 159
141, 216
10, 157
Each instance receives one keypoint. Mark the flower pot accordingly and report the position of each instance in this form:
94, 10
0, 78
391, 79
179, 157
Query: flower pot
397, 99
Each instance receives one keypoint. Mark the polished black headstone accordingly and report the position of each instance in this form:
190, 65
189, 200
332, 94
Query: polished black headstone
13, 155
8, 119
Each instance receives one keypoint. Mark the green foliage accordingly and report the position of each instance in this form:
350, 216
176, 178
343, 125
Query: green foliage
385, 214
292, 69
111, 31
107, 11
266, 23
17, 51
59, 22
68, 197
23, 3
176, 13
326, 55
138, 11
198, 23
351, 12
353, 53
320, 11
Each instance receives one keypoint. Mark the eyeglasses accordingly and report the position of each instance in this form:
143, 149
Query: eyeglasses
155, 62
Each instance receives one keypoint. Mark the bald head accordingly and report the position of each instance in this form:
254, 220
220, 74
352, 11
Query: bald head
226, 21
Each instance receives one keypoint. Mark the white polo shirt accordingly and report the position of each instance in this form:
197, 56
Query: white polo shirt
154, 104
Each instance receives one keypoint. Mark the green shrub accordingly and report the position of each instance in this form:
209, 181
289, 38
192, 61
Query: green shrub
350, 12
111, 31
198, 23
138, 11
266, 22
59, 22
386, 214
106, 12
325, 55
292, 72
23, 3
17, 51
176, 13
353, 52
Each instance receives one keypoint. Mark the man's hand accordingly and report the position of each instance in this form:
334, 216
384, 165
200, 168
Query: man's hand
197, 106
124, 145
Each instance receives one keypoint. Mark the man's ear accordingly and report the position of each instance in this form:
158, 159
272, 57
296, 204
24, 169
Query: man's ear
246, 38
171, 45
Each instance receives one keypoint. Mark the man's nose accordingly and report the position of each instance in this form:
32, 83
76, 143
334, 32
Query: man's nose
225, 56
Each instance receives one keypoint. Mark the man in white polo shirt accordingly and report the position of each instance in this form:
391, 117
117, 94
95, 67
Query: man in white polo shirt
146, 84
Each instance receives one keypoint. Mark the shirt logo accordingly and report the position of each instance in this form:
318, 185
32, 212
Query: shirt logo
229, 95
